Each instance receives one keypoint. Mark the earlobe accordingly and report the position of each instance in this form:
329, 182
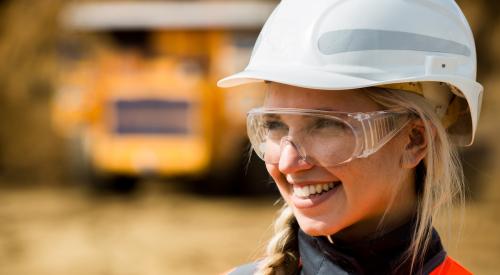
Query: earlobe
416, 146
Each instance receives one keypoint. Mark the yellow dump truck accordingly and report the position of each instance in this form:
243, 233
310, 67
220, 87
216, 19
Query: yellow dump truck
140, 98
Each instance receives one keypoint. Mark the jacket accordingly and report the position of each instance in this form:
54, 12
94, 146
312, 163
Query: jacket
380, 255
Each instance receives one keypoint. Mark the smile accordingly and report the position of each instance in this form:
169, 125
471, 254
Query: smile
313, 190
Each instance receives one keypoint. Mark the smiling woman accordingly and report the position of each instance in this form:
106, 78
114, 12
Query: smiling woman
358, 131
361, 193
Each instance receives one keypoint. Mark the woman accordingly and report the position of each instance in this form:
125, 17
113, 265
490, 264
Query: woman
365, 101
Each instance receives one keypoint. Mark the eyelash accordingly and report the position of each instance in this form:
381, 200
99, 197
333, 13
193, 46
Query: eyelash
273, 125
319, 124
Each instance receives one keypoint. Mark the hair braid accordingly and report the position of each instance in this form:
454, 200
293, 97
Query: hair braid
282, 256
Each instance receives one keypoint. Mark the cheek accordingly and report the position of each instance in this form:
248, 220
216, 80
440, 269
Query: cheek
370, 183
369, 171
279, 179
273, 171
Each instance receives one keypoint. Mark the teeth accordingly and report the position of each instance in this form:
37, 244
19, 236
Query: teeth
305, 191
319, 188
297, 191
312, 189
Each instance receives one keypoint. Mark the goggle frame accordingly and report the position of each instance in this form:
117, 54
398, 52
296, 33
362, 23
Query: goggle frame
370, 129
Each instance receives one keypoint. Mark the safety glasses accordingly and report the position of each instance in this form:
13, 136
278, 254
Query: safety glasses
323, 138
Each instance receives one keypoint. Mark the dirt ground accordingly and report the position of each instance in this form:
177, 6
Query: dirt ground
163, 230
158, 230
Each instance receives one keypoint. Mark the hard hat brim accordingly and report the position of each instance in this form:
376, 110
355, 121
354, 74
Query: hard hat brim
299, 78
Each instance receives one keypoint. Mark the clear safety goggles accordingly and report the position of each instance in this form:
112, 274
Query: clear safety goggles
323, 138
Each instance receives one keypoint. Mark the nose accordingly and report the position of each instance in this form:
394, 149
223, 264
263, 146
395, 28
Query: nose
291, 160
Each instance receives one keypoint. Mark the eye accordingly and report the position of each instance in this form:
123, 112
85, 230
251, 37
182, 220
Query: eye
274, 125
275, 129
329, 124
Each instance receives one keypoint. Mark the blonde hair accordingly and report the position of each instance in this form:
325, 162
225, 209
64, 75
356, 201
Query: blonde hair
282, 255
439, 178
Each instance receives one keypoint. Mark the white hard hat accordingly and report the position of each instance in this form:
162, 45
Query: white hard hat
338, 44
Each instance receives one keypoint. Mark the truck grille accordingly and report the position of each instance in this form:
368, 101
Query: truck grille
151, 116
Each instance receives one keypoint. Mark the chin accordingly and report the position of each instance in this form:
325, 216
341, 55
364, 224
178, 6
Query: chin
316, 227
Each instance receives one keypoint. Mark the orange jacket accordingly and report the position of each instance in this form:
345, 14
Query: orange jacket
450, 267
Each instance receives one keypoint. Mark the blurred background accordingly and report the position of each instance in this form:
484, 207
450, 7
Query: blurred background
119, 155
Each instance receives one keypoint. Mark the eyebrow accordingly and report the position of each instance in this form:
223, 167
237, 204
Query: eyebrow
272, 116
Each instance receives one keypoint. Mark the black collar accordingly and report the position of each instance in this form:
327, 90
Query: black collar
379, 255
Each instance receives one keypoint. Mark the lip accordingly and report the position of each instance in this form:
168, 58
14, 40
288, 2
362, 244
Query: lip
314, 201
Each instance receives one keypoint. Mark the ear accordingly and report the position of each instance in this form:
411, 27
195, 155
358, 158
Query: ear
416, 144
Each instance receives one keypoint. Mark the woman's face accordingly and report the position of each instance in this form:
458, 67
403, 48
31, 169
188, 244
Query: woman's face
364, 187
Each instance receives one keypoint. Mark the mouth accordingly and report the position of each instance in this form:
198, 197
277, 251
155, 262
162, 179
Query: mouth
311, 195
314, 190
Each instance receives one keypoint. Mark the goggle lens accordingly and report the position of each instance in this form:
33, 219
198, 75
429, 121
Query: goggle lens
322, 140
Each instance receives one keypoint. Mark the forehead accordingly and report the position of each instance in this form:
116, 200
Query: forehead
284, 96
